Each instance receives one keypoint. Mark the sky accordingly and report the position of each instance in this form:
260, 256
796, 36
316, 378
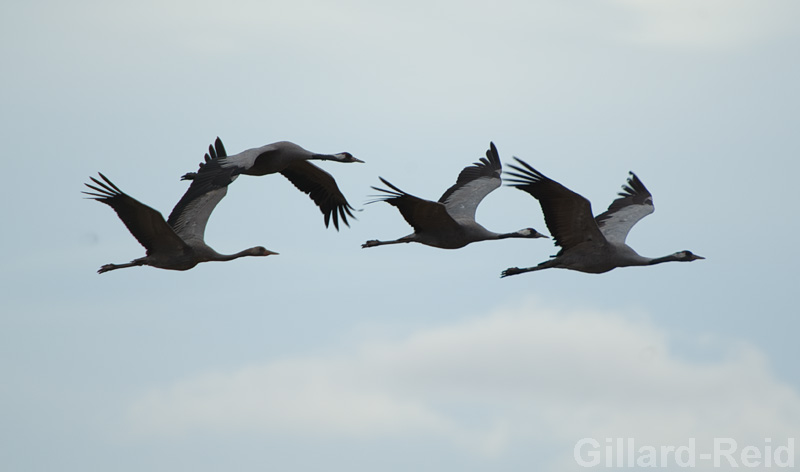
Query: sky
405, 357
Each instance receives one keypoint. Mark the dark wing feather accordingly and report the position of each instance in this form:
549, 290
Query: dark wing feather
209, 186
145, 224
322, 188
635, 203
423, 215
568, 215
215, 151
218, 150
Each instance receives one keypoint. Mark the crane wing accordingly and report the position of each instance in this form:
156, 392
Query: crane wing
322, 188
423, 215
473, 184
215, 151
635, 203
145, 224
190, 215
209, 185
568, 215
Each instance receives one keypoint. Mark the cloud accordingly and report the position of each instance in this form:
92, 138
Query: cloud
519, 376
705, 24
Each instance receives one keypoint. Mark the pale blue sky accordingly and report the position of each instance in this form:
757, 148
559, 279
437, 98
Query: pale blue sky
330, 357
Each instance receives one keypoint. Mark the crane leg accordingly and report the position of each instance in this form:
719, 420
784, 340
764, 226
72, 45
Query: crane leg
375, 242
108, 267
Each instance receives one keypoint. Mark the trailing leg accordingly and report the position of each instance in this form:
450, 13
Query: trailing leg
108, 267
375, 242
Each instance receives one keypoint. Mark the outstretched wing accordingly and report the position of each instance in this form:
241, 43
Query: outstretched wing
209, 185
145, 224
190, 215
568, 215
215, 151
423, 215
635, 203
322, 188
472, 186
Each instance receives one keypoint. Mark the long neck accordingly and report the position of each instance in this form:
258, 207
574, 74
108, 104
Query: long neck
324, 157
622, 255
247, 252
474, 232
506, 235
516, 234
659, 260
213, 255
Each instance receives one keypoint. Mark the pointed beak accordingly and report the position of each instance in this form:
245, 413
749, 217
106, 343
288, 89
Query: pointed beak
272, 253
698, 257
357, 160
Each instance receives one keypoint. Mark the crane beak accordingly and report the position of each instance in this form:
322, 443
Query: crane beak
696, 257
532, 233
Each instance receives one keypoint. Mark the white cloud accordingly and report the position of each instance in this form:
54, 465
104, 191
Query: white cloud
526, 375
706, 24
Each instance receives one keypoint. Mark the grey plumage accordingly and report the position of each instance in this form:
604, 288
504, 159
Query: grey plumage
449, 223
176, 243
286, 158
589, 244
